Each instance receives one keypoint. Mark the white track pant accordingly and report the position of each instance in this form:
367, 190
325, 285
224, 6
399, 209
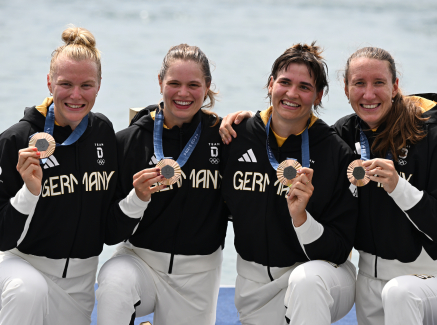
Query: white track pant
405, 299
126, 281
320, 292
31, 297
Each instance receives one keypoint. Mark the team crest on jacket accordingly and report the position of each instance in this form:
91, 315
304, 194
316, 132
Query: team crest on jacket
214, 153
100, 159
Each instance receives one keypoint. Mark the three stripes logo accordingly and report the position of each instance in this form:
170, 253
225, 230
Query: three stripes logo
248, 157
51, 162
153, 161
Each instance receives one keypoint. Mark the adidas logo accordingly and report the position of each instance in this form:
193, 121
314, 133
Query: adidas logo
153, 161
248, 157
51, 162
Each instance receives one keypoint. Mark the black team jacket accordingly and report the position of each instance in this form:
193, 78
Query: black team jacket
62, 231
263, 227
186, 218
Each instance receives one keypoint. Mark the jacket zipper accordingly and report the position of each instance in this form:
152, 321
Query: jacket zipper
170, 267
67, 262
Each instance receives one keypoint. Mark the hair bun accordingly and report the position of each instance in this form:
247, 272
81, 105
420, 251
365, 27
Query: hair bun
78, 36
313, 49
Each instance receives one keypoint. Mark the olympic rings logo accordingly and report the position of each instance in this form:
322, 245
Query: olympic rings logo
214, 160
101, 162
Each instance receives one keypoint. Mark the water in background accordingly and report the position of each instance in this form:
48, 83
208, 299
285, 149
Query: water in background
241, 37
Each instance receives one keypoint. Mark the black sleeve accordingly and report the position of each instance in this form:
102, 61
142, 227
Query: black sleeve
12, 221
338, 219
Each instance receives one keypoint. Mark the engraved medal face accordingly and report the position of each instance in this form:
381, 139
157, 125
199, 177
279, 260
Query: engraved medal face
45, 144
287, 171
170, 169
357, 174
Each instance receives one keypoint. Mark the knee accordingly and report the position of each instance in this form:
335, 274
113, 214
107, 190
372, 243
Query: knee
26, 290
117, 275
302, 282
397, 292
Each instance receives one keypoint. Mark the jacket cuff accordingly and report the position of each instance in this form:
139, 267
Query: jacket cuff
406, 195
24, 201
133, 206
309, 231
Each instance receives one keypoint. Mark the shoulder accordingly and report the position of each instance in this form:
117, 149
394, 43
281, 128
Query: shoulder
346, 122
18, 132
211, 120
101, 120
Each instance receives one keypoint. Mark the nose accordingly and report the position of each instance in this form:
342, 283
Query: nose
183, 91
76, 93
292, 92
369, 92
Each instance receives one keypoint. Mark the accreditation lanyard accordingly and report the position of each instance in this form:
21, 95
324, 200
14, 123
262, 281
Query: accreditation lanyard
157, 140
365, 147
305, 148
74, 136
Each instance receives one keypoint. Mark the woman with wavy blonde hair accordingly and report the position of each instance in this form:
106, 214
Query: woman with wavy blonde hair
59, 174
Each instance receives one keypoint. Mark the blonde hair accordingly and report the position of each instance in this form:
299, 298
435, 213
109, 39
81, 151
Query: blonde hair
186, 52
79, 45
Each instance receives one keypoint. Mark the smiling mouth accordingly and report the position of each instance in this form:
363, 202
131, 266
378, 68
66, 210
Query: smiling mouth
289, 104
72, 106
182, 104
372, 106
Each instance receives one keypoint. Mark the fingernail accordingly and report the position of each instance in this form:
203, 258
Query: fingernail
35, 149
157, 169
299, 171
162, 176
237, 121
38, 153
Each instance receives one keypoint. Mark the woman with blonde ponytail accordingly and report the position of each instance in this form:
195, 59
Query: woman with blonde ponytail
294, 216
171, 263
396, 137
58, 175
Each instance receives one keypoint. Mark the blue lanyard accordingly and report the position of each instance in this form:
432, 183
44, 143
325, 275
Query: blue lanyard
305, 148
365, 147
74, 136
157, 140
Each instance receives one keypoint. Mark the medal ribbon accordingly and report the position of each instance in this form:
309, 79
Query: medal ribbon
305, 148
74, 136
157, 140
365, 147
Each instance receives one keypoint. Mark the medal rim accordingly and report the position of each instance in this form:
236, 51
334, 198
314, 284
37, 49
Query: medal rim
52, 143
350, 176
280, 171
177, 171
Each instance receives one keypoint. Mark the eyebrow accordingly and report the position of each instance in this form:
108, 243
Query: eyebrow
84, 82
301, 82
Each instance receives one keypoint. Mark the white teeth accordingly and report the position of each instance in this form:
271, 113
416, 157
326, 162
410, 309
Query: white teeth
290, 104
370, 106
182, 103
74, 106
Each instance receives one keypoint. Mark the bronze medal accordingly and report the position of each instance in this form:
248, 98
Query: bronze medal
357, 174
44, 142
170, 169
287, 171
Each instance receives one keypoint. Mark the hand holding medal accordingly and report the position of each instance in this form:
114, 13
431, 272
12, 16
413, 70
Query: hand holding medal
359, 171
382, 171
30, 170
299, 194
143, 183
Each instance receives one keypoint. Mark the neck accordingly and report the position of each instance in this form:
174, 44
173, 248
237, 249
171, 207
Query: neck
285, 128
171, 121
62, 122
